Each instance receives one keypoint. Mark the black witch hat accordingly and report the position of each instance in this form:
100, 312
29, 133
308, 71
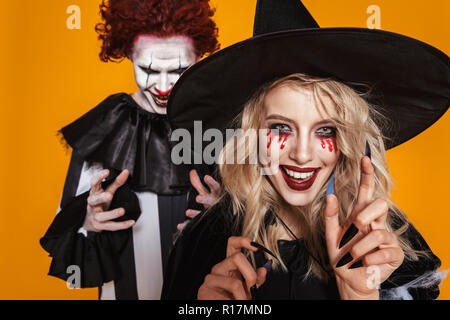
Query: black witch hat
409, 79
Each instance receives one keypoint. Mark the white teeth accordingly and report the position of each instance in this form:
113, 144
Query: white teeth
299, 175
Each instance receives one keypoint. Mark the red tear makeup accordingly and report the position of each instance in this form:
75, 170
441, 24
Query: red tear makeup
282, 139
329, 143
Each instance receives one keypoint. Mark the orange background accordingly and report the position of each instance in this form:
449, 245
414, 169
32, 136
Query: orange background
51, 75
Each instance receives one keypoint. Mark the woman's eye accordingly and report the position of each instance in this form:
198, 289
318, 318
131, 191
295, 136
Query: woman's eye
281, 127
326, 132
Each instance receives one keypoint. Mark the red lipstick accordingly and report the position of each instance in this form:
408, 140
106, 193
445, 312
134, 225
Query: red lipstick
296, 184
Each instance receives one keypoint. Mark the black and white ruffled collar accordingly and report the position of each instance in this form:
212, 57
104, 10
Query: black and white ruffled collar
120, 135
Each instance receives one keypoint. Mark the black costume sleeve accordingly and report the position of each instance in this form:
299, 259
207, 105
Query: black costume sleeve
96, 255
201, 245
414, 280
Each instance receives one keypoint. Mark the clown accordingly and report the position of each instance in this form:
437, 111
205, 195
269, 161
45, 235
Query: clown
121, 245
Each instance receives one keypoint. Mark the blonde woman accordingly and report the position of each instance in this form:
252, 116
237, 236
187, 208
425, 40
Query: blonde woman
322, 224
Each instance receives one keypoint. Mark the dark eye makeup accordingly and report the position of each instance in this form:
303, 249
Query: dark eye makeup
148, 70
179, 71
151, 71
326, 132
281, 127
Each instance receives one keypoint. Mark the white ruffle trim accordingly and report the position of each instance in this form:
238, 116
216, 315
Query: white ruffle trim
427, 280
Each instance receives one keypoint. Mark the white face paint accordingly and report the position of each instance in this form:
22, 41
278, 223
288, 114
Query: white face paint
158, 64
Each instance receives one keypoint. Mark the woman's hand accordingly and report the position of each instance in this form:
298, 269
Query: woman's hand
363, 254
233, 278
97, 217
205, 197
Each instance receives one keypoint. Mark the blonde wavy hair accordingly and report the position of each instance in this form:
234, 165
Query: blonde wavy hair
252, 194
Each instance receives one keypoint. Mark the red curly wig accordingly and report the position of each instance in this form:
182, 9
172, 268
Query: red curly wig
124, 20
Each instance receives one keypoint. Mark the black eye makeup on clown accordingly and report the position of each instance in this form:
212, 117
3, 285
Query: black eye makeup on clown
179, 70
148, 70
326, 132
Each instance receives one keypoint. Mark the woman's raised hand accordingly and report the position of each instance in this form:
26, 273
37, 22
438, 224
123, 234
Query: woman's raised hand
98, 218
232, 278
363, 254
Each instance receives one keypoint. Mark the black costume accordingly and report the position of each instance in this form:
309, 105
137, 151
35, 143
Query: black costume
203, 244
118, 134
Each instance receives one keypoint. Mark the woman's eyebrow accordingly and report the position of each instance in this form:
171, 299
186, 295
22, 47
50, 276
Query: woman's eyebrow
279, 117
325, 122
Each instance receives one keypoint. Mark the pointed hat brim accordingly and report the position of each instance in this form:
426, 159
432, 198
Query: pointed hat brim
410, 79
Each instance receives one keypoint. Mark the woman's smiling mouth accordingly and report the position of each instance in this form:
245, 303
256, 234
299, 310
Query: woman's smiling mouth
297, 178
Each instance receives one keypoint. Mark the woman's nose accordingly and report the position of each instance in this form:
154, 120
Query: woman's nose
301, 151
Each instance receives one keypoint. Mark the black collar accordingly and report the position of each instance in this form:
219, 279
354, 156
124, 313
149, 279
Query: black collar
120, 135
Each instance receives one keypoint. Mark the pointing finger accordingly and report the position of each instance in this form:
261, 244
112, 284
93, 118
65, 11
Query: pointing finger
367, 185
212, 184
119, 181
196, 182
331, 218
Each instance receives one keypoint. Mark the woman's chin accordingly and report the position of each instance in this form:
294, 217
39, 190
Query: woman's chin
296, 200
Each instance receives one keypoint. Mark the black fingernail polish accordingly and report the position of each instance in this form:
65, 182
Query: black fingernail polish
349, 234
357, 264
262, 248
344, 260
268, 265
253, 291
255, 244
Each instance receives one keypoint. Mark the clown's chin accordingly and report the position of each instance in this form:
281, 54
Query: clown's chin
159, 100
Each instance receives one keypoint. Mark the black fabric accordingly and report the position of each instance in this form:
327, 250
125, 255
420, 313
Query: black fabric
171, 212
410, 80
203, 244
125, 285
407, 272
117, 133
72, 178
293, 12
120, 135
99, 254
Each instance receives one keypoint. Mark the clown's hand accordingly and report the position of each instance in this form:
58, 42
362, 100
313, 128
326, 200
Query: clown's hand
98, 218
206, 197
